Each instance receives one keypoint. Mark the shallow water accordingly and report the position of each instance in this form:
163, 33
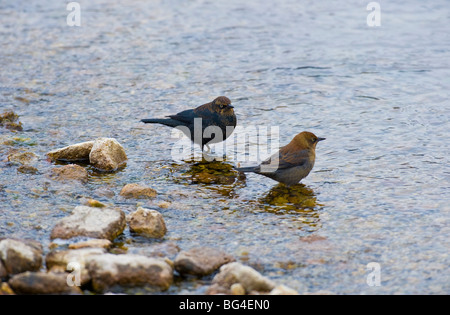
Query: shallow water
379, 191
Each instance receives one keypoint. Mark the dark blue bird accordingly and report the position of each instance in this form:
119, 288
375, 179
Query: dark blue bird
207, 124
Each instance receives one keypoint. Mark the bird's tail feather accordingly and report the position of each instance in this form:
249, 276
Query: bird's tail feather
167, 122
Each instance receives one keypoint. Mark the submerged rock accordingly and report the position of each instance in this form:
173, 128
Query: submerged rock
75, 152
247, 277
27, 169
107, 154
147, 222
165, 249
109, 270
214, 172
137, 191
22, 157
20, 255
42, 283
10, 120
70, 172
92, 222
201, 261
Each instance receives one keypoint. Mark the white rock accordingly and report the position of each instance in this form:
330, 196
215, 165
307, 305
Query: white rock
249, 278
20, 255
92, 222
283, 290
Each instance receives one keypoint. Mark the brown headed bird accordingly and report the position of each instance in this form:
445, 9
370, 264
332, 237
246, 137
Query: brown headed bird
292, 163
209, 123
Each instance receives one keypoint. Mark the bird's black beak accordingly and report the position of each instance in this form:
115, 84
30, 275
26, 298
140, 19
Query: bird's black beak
230, 106
320, 139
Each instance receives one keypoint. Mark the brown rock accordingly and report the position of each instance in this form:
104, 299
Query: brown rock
22, 157
107, 154
70, 172
9, 120
94, 243
147, 222
3, 272
42, 283
108, 270
201, 261
137, 191
92, 222
20, 255
75, 152
27, 169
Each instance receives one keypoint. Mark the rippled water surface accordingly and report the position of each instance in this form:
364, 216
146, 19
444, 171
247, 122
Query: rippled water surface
379, 191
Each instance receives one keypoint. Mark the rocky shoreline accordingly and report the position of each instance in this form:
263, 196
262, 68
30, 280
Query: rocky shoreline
81, 258
88, 266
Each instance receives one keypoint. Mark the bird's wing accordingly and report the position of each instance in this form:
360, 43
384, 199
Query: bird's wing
186, 116
283, 160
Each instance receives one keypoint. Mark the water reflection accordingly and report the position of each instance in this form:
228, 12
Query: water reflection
298, 203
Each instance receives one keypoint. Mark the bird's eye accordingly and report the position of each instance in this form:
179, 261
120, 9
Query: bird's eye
222, 106
314, 139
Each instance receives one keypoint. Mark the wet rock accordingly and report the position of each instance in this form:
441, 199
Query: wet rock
164, 204
201, 261
92, 222
75, 152
94, 243
104, 192
235, 272
137, 191
95, 203
107, 154
3, 272
147, 222
20, 255
214, 172
22, 157
10, 120
27, 169
5, 289
161, 250
283, 290
42, 283
237, 289
70, 172
109, 270
59, 260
